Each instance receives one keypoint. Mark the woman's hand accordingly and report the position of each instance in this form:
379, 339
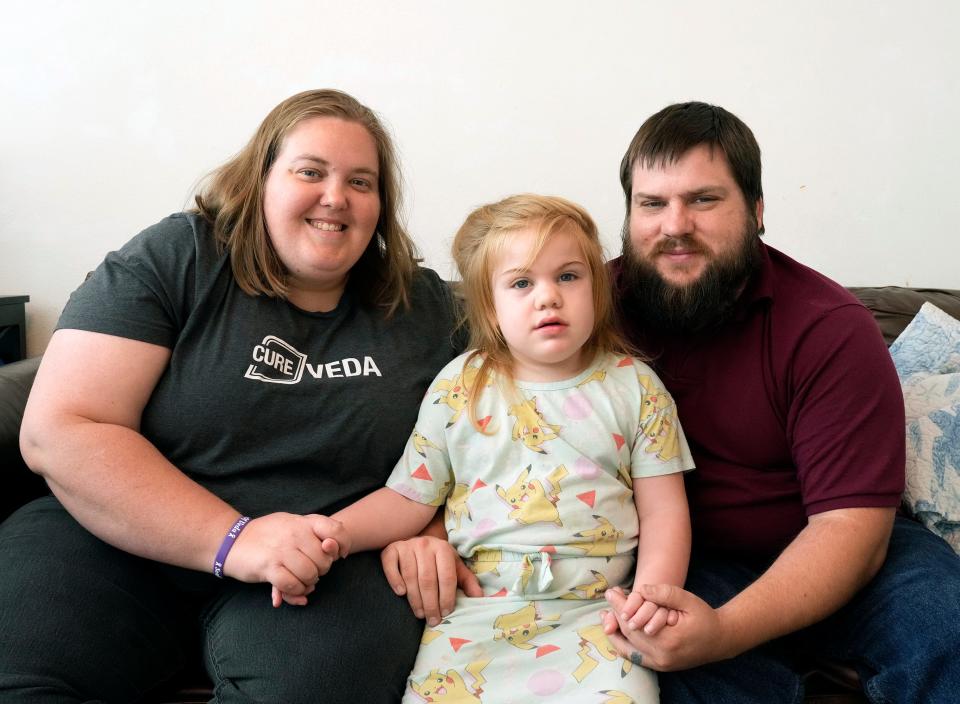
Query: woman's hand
278, 597
427, 570
290, 552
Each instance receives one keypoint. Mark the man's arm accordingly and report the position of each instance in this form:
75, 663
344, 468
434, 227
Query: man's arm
823, 567
826, 564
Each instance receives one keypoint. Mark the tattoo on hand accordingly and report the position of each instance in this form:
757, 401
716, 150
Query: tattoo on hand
636, 658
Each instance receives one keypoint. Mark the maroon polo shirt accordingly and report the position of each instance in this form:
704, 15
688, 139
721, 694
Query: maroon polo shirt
791, 408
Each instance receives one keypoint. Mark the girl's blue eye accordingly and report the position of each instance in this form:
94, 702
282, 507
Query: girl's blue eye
522, 283
568, 276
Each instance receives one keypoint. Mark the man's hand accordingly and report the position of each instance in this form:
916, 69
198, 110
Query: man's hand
639, 613
428, 570
696, 638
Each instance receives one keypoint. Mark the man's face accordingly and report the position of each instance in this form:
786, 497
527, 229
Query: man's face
692, 243
688, 215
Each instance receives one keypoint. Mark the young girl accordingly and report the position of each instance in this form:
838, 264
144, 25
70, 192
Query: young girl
555, 455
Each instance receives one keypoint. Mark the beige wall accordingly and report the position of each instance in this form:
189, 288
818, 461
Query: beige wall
112, 110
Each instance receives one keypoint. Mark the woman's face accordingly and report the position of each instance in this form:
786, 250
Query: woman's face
321, 202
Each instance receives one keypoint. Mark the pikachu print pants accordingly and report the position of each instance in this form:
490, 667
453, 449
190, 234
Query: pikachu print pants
536, 637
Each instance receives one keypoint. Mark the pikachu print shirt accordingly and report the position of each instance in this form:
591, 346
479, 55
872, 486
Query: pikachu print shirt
550, 473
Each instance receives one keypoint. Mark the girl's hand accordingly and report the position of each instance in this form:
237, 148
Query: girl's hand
427, 570
638, 613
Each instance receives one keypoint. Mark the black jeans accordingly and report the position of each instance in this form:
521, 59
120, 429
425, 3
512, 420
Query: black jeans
81, 621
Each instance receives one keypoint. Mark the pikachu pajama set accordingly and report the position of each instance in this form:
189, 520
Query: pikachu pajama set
541, 509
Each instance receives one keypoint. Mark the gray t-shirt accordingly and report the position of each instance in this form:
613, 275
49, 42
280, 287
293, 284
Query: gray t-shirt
270, 407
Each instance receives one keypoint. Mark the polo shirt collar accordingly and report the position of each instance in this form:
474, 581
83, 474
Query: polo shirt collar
759, 288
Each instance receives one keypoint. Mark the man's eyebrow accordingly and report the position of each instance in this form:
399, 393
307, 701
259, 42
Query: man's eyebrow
645, 196
323, 162
687, 194
707, 189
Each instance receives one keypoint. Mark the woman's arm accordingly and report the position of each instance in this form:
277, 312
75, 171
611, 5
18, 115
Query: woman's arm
81, 432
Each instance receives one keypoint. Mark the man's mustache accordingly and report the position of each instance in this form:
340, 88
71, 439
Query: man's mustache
674, 244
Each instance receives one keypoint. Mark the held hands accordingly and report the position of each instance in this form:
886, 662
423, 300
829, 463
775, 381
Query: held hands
697, 636
428, 570
640, 613
289, 551
277, 597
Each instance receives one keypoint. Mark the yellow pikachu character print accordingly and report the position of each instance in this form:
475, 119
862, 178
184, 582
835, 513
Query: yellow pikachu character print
602, 539
592, 638
530, 427
654, 398
450, 687
529, 502
455, 392
598, 375
485, 561
457, 506
441, 495
590, 590
623, 476
520, 627
658, 424
421, 443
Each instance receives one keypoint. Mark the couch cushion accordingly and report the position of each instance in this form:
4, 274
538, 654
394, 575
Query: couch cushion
893, 307
20, 484
927, 356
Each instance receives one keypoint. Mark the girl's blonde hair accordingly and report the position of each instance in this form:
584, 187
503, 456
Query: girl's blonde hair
231, 199
477, 247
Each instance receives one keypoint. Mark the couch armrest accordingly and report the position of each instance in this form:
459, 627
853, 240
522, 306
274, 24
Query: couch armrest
19, 483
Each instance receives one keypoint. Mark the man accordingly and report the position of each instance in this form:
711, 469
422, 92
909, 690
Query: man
792, 408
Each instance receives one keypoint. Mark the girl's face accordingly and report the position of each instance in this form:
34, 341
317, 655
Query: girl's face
545, 312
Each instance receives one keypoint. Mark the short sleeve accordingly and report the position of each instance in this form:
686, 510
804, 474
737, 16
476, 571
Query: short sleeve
424, 473
141, 291
659, 446
846, 420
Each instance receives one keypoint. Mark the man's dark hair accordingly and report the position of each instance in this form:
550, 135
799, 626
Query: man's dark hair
666, 136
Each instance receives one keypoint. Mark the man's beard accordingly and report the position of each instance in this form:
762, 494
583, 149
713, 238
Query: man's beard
659, 306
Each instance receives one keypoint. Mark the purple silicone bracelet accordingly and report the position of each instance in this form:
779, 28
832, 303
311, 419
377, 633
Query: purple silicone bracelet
227, 543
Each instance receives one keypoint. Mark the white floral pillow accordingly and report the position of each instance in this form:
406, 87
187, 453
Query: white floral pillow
927, 357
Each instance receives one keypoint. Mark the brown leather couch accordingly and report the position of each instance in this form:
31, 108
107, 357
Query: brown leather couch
827, 683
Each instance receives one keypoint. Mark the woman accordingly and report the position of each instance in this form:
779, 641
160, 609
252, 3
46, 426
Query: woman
230, 362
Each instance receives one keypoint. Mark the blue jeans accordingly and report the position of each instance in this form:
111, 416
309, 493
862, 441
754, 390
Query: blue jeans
900, 632
81, 621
